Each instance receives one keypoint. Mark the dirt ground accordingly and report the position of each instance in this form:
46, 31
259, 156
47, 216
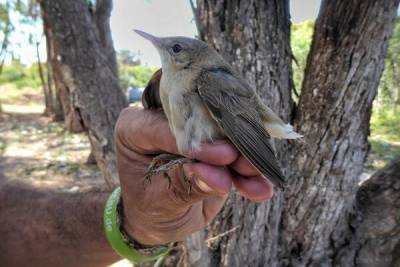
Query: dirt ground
41, 152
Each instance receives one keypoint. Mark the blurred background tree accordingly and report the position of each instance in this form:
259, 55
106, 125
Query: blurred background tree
84, 69
389, 88
27, 13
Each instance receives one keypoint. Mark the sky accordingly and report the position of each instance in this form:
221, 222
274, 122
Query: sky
174, 17
159, 17
19, 43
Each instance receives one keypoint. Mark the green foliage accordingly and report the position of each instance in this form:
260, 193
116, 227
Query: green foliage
385, 121
21, 75
134, 76
385, 124
131, 72
385, 136
301, 38
4, 16
28, 10
389, 88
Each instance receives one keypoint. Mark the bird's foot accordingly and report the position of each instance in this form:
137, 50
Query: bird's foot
163, 163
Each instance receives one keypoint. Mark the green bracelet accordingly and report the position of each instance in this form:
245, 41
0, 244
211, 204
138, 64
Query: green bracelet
114, 235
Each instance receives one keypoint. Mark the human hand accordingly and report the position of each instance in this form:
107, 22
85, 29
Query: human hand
156, 214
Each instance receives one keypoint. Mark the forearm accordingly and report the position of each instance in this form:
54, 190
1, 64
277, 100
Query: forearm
48, 228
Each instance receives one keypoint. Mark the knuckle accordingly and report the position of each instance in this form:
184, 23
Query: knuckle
125, 127
125, 116
127, 113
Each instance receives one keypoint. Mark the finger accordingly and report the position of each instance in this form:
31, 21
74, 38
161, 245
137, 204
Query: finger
244, 167
206, 180
209, 178
218, 153
145, 131
255, 188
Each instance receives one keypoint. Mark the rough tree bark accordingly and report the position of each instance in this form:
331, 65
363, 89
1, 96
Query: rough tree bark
100, 18
341, 80
61, 105
93, 86
310, 224
255, 37
374, 239
57, 111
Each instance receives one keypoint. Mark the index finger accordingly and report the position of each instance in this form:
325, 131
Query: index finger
144, 131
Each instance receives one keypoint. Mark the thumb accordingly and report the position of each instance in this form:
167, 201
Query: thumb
197, 181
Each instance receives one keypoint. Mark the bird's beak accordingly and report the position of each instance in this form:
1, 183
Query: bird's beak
156, 41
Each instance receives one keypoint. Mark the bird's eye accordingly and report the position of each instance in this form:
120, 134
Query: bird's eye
176, 48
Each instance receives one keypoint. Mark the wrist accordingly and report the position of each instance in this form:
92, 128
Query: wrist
116, 239
135, 229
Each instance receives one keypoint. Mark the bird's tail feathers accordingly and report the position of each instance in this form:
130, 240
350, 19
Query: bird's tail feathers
281, 130
274, 125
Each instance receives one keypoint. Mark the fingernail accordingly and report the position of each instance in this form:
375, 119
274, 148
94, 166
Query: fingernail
188, 169
203, 186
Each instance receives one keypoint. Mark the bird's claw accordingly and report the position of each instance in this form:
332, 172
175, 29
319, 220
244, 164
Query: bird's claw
163, 163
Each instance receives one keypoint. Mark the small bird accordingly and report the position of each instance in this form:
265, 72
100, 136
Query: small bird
204, 99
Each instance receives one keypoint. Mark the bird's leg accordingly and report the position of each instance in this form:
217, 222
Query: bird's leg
162, 163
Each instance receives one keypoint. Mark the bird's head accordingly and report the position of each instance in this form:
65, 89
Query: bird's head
178, 52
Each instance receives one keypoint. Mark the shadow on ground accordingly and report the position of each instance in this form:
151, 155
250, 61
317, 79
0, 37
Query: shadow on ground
33, 149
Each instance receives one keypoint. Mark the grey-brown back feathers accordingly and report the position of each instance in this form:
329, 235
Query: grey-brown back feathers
234, 107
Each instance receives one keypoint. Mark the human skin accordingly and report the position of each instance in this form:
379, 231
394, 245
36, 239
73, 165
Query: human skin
49, 228
156, 214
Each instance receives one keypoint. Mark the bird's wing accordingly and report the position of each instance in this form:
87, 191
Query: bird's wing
232, 103
151, 94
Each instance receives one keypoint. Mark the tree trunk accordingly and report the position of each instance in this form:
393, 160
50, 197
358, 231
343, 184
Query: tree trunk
55, 108
47, 99
341, 80
62, 103
4, 44
92, 85
374, 239
102, 20
308, 225
255, 37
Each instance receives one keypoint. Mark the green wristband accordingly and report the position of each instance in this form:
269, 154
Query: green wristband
114, 235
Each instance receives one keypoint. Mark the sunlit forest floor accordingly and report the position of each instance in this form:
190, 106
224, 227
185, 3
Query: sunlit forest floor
36, 150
